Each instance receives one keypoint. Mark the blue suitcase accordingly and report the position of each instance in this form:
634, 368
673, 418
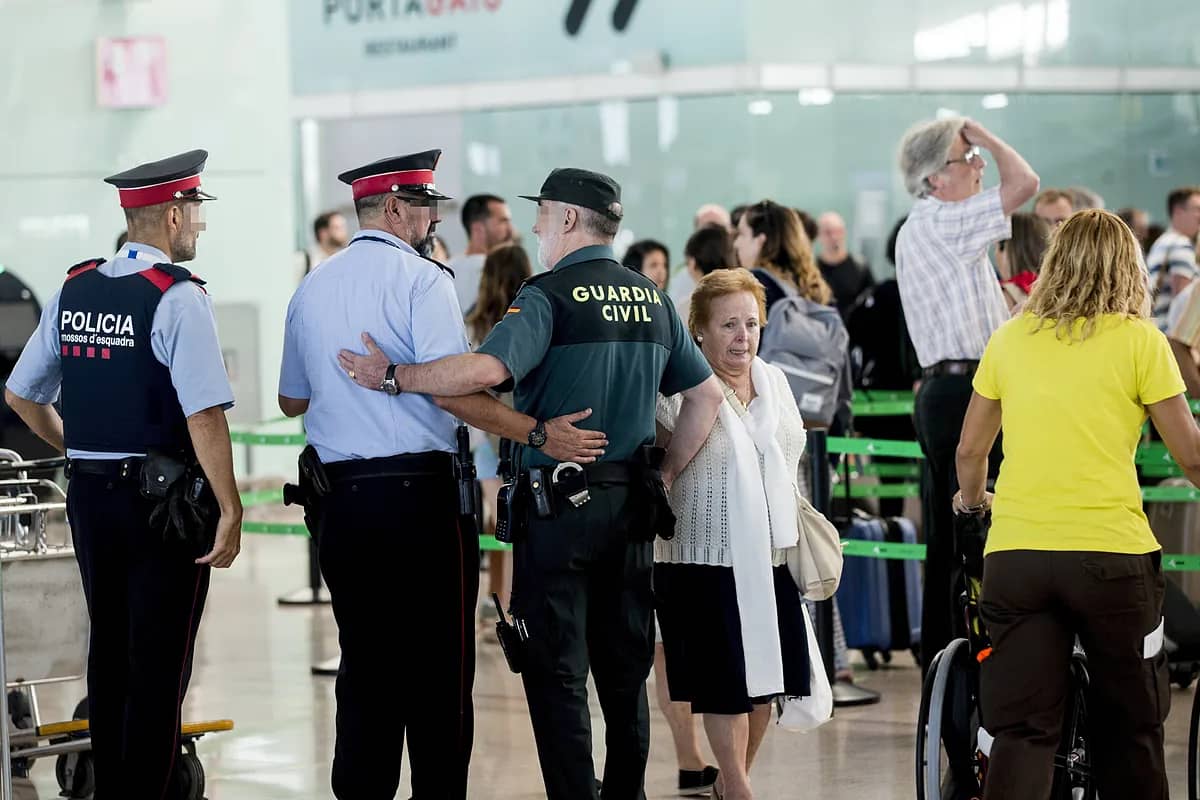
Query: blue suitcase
904, 588
862, 595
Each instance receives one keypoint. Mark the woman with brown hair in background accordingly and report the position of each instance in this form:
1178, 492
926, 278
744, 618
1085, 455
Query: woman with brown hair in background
1019, 258
504, 270
772, 244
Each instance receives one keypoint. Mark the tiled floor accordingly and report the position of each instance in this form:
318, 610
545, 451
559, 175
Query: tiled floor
252, 664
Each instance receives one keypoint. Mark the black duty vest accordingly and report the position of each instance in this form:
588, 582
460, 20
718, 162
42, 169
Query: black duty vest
116, 396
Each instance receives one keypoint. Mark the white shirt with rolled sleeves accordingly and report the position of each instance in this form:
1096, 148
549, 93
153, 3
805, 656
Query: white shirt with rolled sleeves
952, 299
183, 337
408, 305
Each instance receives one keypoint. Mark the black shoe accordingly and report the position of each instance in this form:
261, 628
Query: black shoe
697, 782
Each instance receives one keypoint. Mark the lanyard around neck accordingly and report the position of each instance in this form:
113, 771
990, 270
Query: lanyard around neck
140, 255
379, 239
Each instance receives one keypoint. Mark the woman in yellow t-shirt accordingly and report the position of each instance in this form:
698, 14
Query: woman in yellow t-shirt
1070, 552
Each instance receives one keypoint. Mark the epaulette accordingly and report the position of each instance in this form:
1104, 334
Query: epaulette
84, 266
532, 279
439, 265
164, 276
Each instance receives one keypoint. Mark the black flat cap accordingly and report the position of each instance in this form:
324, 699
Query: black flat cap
174, 178
410, 174
581, 187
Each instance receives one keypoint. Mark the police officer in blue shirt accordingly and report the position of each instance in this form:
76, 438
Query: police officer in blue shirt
131, 345
587, 332
399, 557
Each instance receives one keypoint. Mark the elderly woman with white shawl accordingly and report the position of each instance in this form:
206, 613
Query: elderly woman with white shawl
730, 613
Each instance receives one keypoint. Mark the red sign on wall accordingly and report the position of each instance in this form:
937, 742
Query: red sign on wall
131, 72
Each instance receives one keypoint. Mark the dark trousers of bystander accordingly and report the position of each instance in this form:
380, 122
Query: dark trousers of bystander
940, 406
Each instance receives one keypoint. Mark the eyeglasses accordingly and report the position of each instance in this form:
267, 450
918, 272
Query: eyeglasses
418, 201
970, 158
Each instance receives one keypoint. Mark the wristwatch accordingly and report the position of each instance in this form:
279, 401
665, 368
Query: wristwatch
389, 384
537, 436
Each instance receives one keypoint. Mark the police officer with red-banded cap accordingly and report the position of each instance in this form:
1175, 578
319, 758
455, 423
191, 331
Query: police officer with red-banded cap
131, 345
398, 543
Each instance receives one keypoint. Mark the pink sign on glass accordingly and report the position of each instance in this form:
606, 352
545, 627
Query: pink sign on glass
131, 72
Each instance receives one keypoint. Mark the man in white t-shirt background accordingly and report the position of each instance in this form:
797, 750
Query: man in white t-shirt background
330, 235
488, 224
1172, 260
1183, 333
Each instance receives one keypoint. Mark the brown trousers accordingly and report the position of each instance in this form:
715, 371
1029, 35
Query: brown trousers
1034, 604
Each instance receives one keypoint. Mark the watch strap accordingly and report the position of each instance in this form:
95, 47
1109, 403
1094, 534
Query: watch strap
388, 384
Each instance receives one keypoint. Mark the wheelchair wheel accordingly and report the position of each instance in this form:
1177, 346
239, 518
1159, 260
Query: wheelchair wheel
1193, 768
189, 777
20, 713
76, 775
947, 767
923, 725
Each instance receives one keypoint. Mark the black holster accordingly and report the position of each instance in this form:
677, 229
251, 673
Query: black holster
465, 476
513, 637
185, 511
311, 488
659, 516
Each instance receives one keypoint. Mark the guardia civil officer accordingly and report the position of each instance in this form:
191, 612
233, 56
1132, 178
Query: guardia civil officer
131, 345
399, 556
593, 333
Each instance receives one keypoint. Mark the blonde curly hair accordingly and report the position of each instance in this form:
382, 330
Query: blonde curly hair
1091, 268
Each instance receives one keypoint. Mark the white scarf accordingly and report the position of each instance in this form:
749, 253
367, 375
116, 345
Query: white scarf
762, 515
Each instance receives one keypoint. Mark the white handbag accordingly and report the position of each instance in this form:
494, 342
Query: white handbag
816, 561
804, 714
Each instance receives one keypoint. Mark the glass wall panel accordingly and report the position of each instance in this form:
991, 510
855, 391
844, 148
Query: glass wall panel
817, 151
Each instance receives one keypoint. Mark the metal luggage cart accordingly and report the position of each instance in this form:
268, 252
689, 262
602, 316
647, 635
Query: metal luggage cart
44, 637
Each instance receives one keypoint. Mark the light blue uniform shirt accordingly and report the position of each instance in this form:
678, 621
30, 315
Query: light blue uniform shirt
409, 307
183, 337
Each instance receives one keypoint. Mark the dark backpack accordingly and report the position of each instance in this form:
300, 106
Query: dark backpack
880, 346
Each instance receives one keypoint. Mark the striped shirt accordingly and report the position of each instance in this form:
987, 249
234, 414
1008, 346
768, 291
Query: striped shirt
1183, 318
951, 297
1173, 254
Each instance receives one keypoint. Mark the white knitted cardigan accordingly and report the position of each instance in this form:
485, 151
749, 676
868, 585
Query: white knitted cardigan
699, 495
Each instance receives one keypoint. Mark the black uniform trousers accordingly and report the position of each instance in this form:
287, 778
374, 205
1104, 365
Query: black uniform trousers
403, 575
582, 586
145, 598
939, 408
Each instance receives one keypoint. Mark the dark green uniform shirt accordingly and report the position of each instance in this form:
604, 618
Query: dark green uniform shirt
592, 333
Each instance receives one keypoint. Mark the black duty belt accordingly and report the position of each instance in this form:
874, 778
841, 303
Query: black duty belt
966, 368
573, 481
119, 468
410, 465
616, 472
